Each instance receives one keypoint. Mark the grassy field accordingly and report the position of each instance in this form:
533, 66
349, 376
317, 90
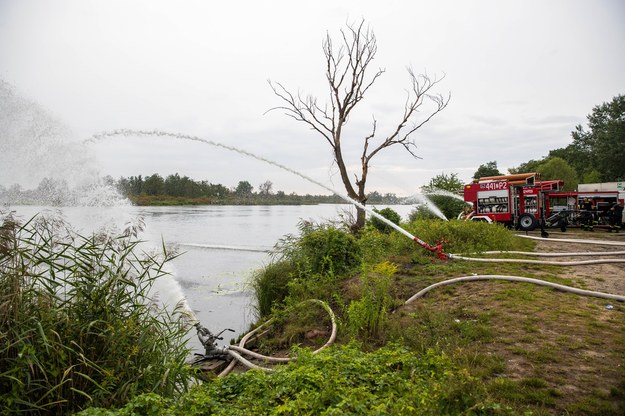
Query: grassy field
535, 348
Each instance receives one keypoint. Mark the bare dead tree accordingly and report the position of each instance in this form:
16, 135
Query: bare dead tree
348, 77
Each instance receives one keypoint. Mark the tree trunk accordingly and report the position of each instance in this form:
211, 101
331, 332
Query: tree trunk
362, 198
358, 196
360, 220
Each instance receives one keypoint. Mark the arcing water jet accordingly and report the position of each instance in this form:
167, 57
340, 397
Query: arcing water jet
443, 192
437, 249
428, 204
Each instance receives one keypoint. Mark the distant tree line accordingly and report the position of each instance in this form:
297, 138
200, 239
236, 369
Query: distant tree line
170, 190
175, 189
173, 186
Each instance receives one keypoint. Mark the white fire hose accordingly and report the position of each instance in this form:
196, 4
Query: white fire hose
563, 288
235, 351
550, 262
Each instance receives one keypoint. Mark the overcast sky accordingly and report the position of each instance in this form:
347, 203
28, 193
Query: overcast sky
522, 75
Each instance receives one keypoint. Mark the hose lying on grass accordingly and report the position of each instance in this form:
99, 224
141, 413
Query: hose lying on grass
575, 240
550, 262
581, 292
540, 254
529, 261
234, 350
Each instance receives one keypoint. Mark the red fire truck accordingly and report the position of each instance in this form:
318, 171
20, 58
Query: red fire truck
523, 202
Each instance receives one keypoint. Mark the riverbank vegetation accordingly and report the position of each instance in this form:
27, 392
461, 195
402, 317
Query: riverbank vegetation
78, 325
491, 348
182, 190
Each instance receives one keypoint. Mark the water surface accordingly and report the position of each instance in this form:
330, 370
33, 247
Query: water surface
220, 248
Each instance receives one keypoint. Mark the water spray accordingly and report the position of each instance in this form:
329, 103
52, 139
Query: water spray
443, 192
437, 249
423, 200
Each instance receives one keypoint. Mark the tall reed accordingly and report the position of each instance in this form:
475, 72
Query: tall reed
78, 326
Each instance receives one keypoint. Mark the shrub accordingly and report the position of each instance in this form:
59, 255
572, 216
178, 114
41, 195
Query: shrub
461, 237
77, 326
341, 381
374, 245
320, 249
271, 285
305, 265
382, 226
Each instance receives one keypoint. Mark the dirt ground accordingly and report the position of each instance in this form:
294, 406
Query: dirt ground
561, 353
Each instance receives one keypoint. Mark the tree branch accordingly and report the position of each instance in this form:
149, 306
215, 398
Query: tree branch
421, 86
303, 110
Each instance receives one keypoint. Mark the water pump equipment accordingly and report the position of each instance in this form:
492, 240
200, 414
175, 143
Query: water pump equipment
208, 340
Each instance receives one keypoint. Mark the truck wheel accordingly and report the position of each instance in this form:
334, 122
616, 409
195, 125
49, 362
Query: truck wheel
527, 222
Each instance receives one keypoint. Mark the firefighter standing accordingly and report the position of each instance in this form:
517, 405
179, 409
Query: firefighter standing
587, 217
616, 216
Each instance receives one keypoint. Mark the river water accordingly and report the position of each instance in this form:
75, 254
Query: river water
220, 247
